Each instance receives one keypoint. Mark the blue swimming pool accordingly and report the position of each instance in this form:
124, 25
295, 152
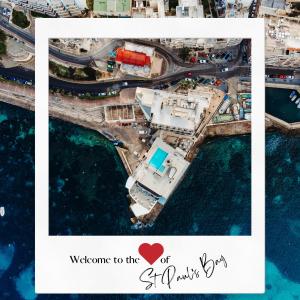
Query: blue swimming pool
158, 158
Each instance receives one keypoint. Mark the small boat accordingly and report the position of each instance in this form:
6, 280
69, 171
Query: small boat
294, 98
293, 93
298, 106
297, 101
2, 211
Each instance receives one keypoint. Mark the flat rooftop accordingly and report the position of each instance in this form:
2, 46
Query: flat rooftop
276, 4
112, 6
161, 170
281, 35
152, 67
173, 109
149, 51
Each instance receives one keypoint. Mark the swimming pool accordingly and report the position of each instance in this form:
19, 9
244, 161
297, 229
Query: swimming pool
158, 158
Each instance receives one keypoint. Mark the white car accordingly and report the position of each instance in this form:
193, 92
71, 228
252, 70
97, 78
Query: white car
202, 61
224, 70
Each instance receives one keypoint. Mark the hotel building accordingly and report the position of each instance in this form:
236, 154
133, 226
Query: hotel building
52, 8
156, 178
173, 112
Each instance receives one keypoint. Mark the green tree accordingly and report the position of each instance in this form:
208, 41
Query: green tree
184, 53
2, 43
90, 4
20, 19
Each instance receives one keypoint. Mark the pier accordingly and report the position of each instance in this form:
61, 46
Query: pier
283, 86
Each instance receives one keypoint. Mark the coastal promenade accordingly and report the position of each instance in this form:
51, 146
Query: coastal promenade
283, 86
91, 115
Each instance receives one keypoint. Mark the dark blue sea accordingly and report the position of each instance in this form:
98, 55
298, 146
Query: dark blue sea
279, 104
229, 154
88, 195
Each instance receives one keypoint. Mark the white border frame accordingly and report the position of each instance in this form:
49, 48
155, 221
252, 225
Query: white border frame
245, 254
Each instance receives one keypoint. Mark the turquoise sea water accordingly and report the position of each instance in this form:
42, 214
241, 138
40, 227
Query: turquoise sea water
17, 195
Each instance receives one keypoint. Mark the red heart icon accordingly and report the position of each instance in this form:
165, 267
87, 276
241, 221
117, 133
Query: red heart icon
151, 252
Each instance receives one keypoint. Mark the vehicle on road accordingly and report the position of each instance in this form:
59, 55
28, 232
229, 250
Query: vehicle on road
224, 69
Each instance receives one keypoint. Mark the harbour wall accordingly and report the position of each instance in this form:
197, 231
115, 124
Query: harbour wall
228, 129
275, 123
283, 86
26, 103
80, 119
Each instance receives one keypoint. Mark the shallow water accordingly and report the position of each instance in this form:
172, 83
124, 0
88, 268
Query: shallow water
17, 227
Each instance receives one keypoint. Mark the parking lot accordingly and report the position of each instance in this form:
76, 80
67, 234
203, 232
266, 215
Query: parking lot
5, 12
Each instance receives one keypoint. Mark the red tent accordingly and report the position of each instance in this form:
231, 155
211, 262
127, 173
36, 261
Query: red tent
132, 57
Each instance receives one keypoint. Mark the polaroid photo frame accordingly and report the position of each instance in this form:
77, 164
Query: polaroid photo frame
112, 264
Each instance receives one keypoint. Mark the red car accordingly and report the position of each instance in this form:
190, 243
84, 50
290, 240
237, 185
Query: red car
193, 59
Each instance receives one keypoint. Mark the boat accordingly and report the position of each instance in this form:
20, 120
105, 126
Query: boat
293, 93
298, 106
294, 97
297, 101
2, 211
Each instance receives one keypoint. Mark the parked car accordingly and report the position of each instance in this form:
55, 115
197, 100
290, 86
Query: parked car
227, 56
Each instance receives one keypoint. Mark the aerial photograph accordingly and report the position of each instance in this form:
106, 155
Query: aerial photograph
157, 102
150, 137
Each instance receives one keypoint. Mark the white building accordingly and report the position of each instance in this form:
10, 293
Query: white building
272, 7
53, 8
114, 8
190, 9
174, 112
152, 9
139, 60
282, 42
156, 177
202, 44
237, 8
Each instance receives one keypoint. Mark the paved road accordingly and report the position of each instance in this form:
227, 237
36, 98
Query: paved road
117, 84
182, 68
29, 39
84, 60
23, 35
173, 59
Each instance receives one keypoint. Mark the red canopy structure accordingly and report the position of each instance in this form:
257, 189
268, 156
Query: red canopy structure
132, 57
